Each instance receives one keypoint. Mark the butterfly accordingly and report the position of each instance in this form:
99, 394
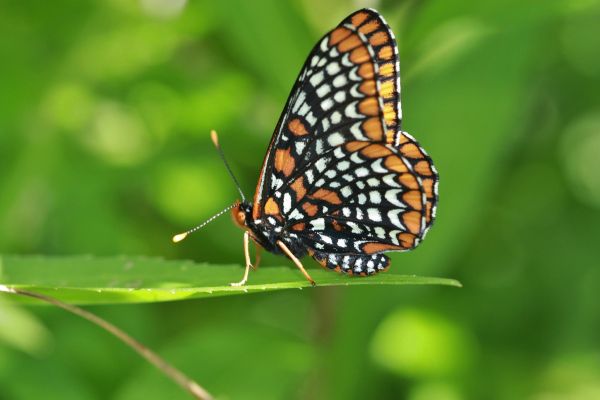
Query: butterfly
341, 181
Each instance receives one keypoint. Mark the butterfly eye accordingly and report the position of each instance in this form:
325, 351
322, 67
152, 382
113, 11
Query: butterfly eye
239, 216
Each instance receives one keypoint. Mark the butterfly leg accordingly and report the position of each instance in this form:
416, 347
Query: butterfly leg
287, 251
257, 257
248, 264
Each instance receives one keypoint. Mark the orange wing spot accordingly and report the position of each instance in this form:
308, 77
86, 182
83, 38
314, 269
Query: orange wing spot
355, 146
412, 220
411, 150
369, 106
366, 71
349, 43
299, 226
338, 35
385, 53
372, 248
372, 127
387, 70
326, 195
389, 113
409, 181
428, 213
395, 163
389, 135
423, 168
310, 209
387, 89
369, 27
337, 226
297, 127
368, 88
407, 240
403, 139
428, 187
359, 55
359, 18
298, 188
271, 207
375, 151
413, 198
284, 161
379, 38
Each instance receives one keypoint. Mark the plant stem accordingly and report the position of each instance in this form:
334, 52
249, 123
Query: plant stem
170, 371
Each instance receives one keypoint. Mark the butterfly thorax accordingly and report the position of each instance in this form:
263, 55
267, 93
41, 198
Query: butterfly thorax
267, 231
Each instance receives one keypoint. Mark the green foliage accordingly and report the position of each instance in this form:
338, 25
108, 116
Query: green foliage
105, 109
89, 280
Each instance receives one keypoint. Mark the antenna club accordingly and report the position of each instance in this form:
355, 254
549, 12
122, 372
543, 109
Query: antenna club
214, 138
179, 237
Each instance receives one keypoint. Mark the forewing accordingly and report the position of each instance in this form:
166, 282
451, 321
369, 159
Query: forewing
348, 89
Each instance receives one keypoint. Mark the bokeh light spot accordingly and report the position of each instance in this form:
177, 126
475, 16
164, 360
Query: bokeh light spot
188, 193
580, 148
117, 135
419, 344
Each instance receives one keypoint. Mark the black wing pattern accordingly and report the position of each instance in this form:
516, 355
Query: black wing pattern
339, 172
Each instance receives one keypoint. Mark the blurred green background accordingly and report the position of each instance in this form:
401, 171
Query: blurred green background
105, 109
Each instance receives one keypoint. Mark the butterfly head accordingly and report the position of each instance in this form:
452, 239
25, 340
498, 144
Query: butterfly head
242, 214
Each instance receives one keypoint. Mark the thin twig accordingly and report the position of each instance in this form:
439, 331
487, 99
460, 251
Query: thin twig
170, 371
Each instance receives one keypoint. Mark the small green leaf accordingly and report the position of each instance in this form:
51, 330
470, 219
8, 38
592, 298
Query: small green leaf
87, 280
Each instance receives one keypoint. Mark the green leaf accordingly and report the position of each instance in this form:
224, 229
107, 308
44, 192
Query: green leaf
90, 280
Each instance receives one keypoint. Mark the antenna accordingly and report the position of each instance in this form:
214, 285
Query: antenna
179, 237
215, 140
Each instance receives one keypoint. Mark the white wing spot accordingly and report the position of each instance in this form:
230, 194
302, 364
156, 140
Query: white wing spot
343, 165
326, 104
321, 164
316, 79
374, 214
362, 171
375, 197
318, 224
335, 139
392, 196
326, 239
339, 81
350, 110
287, 203
336, 117
373, 182
299, 101
323, 90
304, 109
333, 68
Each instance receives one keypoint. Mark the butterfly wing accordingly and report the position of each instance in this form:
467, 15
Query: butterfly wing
338, 149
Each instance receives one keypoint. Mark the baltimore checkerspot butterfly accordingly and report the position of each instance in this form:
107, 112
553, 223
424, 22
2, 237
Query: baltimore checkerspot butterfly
341, 181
